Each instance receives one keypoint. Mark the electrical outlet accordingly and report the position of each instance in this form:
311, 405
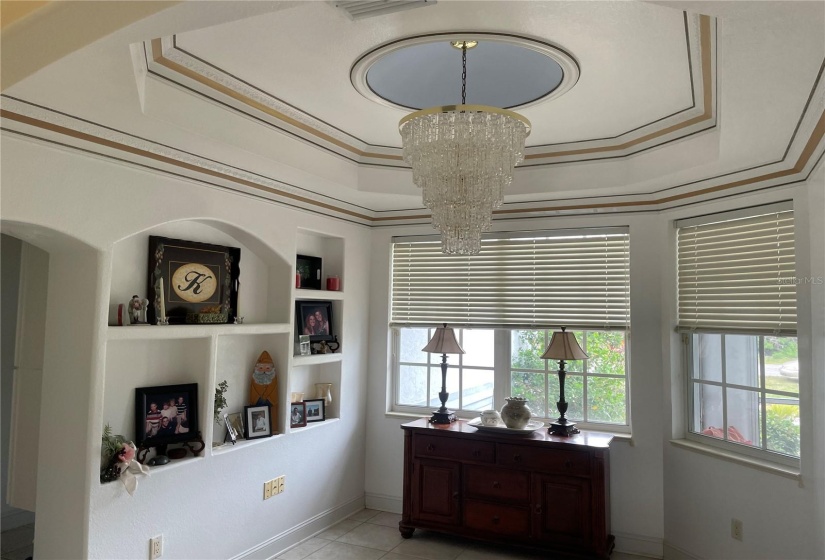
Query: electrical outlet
736, 529
267, 489
156, 547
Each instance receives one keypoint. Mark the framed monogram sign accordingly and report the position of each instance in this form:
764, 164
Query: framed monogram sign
191, 282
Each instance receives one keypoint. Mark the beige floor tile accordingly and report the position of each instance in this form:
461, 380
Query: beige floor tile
304, 549
19, 554
339, 530
386, 518
483, 551
394, 556
431, 546
364, 514
373, 536
343, 551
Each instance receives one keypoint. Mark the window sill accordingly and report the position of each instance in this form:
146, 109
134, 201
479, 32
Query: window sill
759, 464
617, 436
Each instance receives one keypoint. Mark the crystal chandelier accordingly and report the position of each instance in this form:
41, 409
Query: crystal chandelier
462, 157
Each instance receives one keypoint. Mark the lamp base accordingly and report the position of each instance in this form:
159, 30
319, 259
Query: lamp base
563, 427
442, 417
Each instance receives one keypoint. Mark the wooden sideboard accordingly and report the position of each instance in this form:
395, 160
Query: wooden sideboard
536, 490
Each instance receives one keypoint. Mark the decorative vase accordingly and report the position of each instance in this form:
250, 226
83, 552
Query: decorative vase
324, 391
491, 418
515, 413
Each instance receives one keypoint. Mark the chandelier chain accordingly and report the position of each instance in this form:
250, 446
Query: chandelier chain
464, 73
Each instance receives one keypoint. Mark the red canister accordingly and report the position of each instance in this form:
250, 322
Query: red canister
333, 283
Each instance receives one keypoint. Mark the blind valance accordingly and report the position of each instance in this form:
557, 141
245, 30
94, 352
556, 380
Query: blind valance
739, 275
578, 279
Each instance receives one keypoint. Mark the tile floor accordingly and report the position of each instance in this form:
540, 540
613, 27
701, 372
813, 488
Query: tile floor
373, 535
366, 535
18, 543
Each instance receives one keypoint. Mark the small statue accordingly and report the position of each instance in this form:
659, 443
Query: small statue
137, 310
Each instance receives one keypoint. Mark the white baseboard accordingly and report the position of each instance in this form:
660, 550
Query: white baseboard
675, 553
639, 545
309, 528
382, 502
14, 519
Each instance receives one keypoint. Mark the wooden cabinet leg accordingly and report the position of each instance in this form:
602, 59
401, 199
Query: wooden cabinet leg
406, 530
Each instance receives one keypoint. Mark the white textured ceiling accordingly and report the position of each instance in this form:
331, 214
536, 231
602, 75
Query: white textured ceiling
669, 106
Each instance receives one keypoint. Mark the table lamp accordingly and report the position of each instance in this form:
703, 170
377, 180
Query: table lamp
443, 342
563, 346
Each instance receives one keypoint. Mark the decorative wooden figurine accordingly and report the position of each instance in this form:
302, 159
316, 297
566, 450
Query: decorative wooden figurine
264, 388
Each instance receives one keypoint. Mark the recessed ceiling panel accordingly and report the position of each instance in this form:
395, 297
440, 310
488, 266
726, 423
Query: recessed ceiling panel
498, 74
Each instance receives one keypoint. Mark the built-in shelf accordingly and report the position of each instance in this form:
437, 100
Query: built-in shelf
312, 425
319, 294
315, 359
154, 332
242, 444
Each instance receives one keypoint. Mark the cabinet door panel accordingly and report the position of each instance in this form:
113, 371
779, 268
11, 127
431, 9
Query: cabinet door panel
562, 510
435, 491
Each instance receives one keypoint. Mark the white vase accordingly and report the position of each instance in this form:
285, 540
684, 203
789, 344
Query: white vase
515, 413
324, 391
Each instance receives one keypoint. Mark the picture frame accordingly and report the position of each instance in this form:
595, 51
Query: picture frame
314, 318
315, 410
308, 271
232, 433
235, 420
257, 421
151, 406
192, 282
297, 414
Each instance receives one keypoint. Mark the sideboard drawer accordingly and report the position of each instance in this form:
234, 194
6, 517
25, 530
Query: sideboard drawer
453, 448
496, 518
547, 460
498, 484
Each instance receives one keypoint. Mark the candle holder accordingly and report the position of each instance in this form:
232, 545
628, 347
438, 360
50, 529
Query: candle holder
163, 321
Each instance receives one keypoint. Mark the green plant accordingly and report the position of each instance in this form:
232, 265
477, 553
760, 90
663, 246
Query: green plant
111, 444
220, 400
782, 430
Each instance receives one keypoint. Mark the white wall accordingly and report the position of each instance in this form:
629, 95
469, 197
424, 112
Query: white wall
77, 207
663, 499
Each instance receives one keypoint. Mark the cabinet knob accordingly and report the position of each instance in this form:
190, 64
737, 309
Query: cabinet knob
517, 458
496, 484
495, 520
476, 453
455, 495
430, 447
538, 509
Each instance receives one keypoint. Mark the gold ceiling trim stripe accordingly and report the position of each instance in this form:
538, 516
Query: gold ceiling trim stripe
707, 100
157, 56
805, 155
705, 37
171, 161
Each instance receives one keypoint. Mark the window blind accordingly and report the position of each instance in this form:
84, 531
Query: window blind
577, 279
738, 275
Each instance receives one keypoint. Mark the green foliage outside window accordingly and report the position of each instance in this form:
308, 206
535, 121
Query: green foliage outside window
605, 395
783, 431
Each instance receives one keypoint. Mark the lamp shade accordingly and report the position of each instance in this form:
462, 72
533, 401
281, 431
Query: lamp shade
443, 342
564, 346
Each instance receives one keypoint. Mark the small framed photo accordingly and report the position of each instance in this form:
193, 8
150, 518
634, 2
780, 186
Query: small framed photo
166, 414
257, 424
234, 426
297, 415
315, 410
314, 319
308, 270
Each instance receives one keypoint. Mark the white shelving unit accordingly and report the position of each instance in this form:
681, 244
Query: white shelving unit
145, 356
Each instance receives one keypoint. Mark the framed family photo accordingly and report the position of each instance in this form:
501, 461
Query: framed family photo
314, 319
257, 421
192, 282
166, 414
297, 415
315, 410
